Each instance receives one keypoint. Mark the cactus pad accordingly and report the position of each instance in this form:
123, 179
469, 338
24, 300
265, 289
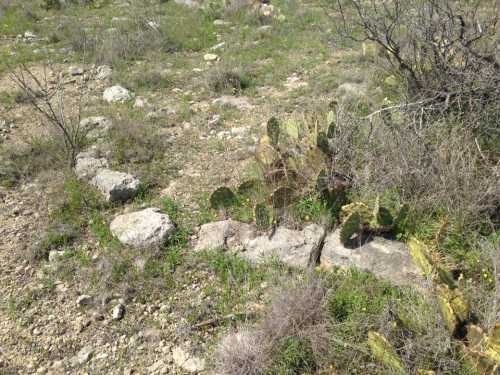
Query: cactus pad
385, 353
222, 198
351, 225
282, 197
273, 131
262, 216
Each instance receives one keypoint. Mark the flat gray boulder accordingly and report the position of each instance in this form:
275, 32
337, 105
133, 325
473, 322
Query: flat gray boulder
223, 234
145, 228
116, 186
390, 260
87, 166
297, 248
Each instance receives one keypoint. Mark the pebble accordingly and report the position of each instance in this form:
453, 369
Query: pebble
210, 57
84, 300
118, 312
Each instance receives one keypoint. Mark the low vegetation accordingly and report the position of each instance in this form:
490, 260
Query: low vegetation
373, 118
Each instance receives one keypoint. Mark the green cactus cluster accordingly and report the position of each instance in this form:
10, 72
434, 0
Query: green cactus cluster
482, 349
225, 200
359, 218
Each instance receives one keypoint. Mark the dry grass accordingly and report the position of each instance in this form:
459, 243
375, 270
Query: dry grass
252, 351
226, 79
333, 318
437, 165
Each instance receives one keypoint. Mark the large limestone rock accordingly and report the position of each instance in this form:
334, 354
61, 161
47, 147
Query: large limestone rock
87, 166
116, 186
116, 94
145, 228
223, 234
293, 247
387, 259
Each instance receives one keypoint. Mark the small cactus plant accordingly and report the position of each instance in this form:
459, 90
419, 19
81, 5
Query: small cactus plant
223, 198
262, 215
358, 218
273, 131
385, 353
282, 197
350, 226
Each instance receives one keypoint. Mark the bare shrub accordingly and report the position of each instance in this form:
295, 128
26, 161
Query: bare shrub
223, 79
242, 353
332, 319
49, 100
434, 165
442, 49
294, 311
128, 41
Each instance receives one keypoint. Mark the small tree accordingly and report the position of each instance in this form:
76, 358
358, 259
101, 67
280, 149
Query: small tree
443, 50
49, 101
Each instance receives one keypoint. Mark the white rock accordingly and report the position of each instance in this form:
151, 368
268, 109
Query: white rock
55, 255
222, 23
239, 102
118, 312
188, 3
218, 46
75, 71
116, 186
148, 227
103, 72
187, 362
140, 102
293, 247
83, 356
117, 94
221, 234
86, 167
84, 300
153, 24
210, 57
387, 259
30, 35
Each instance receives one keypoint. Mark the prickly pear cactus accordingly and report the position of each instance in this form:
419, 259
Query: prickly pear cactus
223, 198
484, 349
385, 353
401, 217
323, 143
265, 153
249, 188
362, 209
350, 226
273, 131
282, 197
262, 215
420, 255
